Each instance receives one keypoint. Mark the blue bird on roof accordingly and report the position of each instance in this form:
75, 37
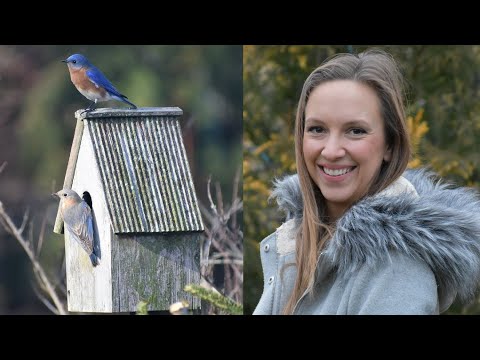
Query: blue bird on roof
91, 82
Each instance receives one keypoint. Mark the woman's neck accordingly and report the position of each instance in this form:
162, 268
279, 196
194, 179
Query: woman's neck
335, 211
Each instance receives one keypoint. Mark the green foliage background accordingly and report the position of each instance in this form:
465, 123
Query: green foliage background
443, 85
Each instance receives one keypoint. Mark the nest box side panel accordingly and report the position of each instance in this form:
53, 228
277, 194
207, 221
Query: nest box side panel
154, 268
89, 289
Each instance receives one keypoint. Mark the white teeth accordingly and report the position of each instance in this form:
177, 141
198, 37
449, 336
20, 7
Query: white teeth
336, 172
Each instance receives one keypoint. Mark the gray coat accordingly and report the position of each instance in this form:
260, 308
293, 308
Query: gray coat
411, 249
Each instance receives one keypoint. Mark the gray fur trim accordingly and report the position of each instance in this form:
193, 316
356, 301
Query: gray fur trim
288, 195
441, 227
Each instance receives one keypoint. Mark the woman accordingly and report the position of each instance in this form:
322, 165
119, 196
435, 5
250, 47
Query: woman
365, 236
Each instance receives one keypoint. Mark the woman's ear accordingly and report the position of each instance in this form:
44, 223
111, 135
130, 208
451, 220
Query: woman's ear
388, 154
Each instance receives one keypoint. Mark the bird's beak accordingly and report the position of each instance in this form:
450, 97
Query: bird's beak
65, 61
55, 195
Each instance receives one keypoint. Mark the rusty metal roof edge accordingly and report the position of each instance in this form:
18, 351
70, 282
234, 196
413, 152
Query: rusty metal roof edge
125, 112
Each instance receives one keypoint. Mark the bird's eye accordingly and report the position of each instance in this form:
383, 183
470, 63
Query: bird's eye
74, 61
65, 194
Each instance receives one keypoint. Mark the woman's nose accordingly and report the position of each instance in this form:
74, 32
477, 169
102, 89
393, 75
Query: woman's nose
333, 148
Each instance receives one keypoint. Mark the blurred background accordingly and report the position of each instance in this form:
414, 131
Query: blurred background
443, 86
37, 106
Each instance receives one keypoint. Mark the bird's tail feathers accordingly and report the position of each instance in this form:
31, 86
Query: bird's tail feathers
94, 259
124, 99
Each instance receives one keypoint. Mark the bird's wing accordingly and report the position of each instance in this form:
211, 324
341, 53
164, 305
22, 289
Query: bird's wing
97, 77
79, 223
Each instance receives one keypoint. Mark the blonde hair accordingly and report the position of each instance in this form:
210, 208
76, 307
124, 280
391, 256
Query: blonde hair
379, 71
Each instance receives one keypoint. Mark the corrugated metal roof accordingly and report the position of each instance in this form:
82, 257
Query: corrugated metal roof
144, 170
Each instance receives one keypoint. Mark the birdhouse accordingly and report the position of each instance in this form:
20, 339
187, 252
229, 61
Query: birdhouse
147, 223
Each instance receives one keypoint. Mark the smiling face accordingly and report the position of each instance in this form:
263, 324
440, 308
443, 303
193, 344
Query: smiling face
344, 141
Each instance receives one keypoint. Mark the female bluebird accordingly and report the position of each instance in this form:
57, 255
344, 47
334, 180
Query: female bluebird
91, 82
77, 216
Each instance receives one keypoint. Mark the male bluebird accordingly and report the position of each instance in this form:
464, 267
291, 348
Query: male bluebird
91, 82
77, 216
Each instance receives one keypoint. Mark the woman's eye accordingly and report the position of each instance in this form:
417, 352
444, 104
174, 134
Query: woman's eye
357, 131
316, 129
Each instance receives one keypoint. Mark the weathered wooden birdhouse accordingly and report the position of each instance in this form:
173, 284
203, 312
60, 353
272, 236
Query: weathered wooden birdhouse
147, 221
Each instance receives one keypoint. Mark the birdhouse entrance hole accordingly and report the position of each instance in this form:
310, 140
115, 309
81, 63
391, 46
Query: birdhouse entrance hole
88, 198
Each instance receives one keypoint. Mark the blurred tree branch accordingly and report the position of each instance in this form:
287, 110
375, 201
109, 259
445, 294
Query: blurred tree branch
54, 304
223, 244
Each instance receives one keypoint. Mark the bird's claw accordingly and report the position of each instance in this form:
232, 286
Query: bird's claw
86, 111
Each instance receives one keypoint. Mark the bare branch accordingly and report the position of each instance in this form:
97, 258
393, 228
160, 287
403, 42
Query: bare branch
41, 236
3, 223
223, 240
24, 221
226, 261
29, 240
219, 199
12, 229
206, 214
225, 254
44, 300
39, 280
212, 205
235, 199
3, 166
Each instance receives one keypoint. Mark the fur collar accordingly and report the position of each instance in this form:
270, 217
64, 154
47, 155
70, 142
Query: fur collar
419, 216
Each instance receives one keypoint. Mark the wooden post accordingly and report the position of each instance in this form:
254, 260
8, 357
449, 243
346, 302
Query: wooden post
72, 162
